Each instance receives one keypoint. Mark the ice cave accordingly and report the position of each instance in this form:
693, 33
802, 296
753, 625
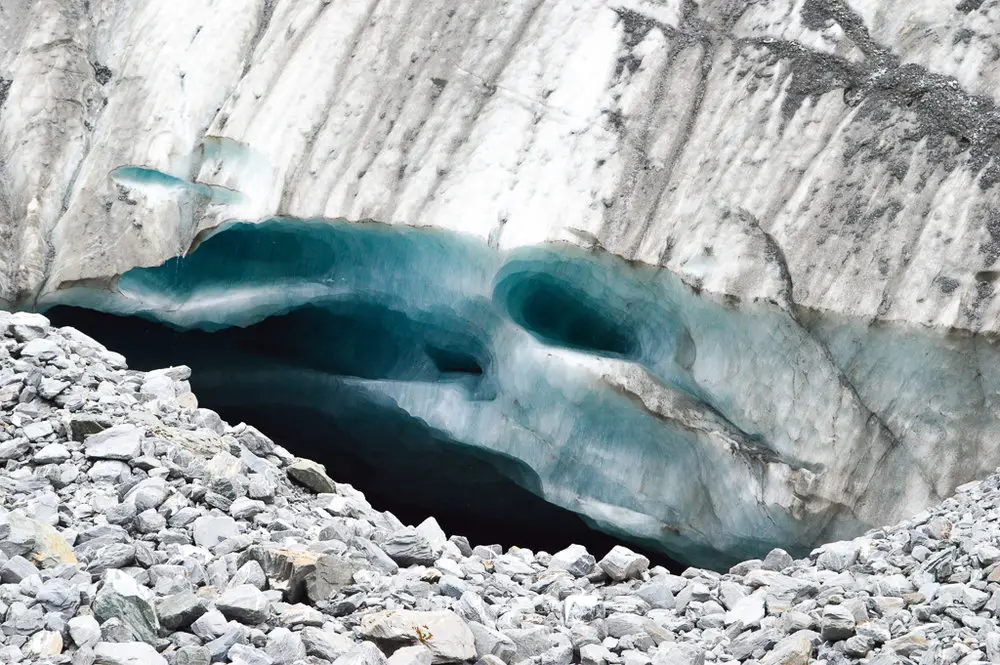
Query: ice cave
702, 428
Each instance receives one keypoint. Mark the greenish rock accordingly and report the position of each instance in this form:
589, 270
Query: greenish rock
123, 598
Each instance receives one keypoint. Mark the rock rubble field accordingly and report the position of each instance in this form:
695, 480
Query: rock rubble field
139, 529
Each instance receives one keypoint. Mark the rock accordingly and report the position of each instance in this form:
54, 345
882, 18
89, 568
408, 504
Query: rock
330, 574
748, 611
254, 440
244, 603
530, 642
777, 560
415, 655
408, 548
45, 644
488, 641
795, 649
443, 633
679, 654
59, 595
37, 430
53, 453
622, 563
84, 424
121, 443
120, 597
362, 654
595, 654
575, 560
250, 573
180, 610
325, 645
84, 630
210, 531
311, 475
490, 660
127, 653
42, 543
580, 608
284, 646
837, 623
432, 532
837, 556
16, 569
192, 655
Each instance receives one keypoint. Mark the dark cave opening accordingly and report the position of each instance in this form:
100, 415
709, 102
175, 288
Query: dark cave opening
561, 314
400, 463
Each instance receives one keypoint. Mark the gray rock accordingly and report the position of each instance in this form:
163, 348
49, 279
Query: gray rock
211, 625
622, 563
365, 653
84, 424
444, 633
330, 574
488, 641
127, 653
837, 623
284, 646
311, 475
777, 560
325, 645
84, 630
242, 654
575, 560
191, 655
121, 443
210, 531
530, 642
407, 548
59, 595
244, 603
679, 654
795, 649
53, 453
178, 611
415, 655
120, 597
253, 439
16, 569
837, 556
250, 573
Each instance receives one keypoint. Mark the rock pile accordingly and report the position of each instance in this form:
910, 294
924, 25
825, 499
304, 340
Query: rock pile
139, 529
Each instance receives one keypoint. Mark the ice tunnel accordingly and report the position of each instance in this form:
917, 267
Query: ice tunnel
709, 430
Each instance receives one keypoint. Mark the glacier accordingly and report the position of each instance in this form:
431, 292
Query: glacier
616, 390
716, 274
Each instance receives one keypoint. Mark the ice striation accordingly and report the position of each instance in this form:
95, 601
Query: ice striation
610, 388
716, 275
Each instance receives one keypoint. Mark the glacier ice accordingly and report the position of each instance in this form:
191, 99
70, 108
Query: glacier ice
755, 244
710, 428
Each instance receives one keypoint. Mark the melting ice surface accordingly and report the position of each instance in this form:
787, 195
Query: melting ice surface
712, 431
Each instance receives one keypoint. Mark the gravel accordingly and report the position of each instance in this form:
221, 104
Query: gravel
137, 528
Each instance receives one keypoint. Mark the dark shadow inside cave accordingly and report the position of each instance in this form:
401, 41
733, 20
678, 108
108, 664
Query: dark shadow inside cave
400, 463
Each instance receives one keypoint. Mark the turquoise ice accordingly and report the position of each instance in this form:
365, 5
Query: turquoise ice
711, 429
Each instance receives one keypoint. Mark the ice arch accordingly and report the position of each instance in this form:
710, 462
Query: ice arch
712, 429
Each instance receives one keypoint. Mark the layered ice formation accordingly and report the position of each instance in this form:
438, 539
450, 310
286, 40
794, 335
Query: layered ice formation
714, 274
709, 429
